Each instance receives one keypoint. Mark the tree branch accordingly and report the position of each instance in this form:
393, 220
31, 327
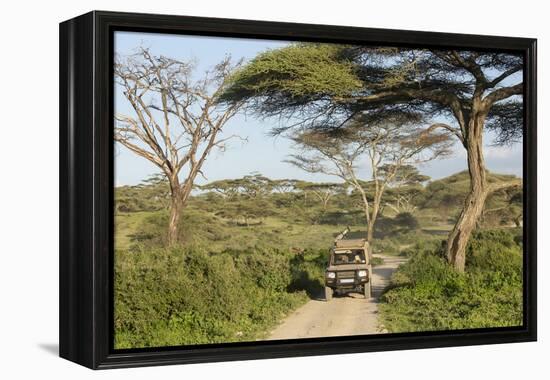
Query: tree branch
504, 75
502, 93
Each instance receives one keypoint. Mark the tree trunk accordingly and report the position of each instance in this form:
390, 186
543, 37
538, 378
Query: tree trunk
373, 217
475, 200
176, 206
173, 223
370, 232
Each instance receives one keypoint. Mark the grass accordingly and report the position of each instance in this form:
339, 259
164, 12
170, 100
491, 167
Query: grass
126, 225
222, 234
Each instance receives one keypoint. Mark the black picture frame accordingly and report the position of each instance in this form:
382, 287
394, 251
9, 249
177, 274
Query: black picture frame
86, 189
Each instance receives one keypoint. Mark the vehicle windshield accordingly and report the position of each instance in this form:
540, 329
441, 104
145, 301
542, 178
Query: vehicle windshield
350, 256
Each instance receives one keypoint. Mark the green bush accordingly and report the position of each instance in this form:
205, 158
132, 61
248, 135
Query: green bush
426, 293
406, 221
178, 296
405, 243
420, 248
308, 272
196, 228
386, 246
377, 261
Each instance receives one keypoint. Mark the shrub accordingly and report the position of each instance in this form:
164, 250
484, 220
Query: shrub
377, 261
386, 246
178, 296
421, 248
405, 244
308, 272
406, 221
196, 228
426, 293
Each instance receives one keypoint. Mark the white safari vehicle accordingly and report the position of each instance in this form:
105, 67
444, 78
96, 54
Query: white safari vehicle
349, 268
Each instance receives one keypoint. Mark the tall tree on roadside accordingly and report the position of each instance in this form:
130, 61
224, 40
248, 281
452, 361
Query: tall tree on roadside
175, 121
384, 148
465, 91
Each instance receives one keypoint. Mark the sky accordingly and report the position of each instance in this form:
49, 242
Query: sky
260, 152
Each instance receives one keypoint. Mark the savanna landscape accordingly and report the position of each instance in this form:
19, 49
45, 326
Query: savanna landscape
234, 176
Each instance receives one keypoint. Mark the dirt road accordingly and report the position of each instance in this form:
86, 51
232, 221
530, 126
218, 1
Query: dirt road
345, 315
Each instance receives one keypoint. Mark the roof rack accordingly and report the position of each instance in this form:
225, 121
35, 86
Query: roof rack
344, 240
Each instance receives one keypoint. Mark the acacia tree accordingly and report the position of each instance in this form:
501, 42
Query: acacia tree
384, 148
175, 121
405, 186
250, 186
254, 185
284, 186
471, 90
226, 188
504, 207
468, 91
323, 191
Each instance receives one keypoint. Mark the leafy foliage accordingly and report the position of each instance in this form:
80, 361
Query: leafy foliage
295, 75
427, 294
167, 297
326, 85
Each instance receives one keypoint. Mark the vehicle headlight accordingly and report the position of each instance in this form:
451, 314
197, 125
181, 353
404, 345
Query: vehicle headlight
362, 273
331, 275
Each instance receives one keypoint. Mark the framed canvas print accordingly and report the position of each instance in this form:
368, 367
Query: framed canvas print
238, 189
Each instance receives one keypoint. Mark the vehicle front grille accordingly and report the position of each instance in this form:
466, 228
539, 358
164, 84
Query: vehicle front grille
346, 274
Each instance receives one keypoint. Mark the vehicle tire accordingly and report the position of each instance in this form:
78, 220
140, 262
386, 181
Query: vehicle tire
367, 290
328, 293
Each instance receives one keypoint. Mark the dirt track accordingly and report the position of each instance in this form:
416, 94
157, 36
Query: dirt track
345, 315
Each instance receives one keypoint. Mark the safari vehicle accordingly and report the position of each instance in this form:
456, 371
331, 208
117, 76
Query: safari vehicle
349, 267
